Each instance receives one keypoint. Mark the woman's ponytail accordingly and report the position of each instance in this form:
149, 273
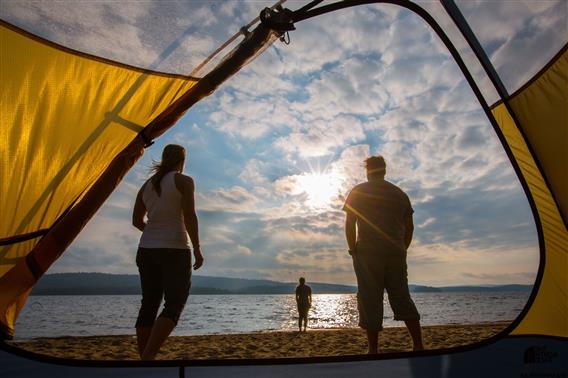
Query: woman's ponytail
172, 155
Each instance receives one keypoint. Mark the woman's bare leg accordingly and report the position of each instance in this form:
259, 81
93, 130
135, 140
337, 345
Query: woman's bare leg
415, 332
160, 332
142, 336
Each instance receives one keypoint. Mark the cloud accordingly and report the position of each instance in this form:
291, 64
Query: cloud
520, 46
447, 264
311, 260
502, 278
319, 138
343, 174
205, 15
109, 31
252, 173
77, 259
248, 116
350, 165
351, 87
327, 224
287, 185
108, 243
463, 215
332, 37
319, 265
303, 236
368, 80
427, 222
235, 198
263, 77
244, 250
135, 33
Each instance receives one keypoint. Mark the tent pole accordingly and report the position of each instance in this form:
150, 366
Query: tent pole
460, 21
462, 24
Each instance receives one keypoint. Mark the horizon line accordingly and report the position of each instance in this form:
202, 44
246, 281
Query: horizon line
312, 282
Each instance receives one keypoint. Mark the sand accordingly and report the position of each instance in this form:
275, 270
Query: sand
334, 342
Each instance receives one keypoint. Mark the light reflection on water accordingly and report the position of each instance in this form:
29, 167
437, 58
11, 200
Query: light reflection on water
334, 311
53, 316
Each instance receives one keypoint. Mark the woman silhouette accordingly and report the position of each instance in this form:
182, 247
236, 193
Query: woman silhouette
164, 258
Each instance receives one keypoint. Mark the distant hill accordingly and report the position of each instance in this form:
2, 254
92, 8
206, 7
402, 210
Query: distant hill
424, 289
488, 288
126, 284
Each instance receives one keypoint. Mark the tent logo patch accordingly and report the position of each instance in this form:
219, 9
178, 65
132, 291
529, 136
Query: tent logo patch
538, 355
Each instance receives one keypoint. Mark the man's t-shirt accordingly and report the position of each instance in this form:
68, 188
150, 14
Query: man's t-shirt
381, 209
302, 294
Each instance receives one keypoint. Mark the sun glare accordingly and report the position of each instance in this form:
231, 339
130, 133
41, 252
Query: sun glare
320, 188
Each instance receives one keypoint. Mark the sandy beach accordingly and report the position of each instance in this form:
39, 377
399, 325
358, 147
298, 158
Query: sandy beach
335, 342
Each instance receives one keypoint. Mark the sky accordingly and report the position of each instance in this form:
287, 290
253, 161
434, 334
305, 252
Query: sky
275, 151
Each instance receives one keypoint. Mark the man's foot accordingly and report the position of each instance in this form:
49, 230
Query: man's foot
418, 347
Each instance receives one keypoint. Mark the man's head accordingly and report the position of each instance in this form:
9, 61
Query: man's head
376, 167
302, 280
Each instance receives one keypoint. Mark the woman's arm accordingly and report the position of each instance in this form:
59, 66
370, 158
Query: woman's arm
190, 217
139, 211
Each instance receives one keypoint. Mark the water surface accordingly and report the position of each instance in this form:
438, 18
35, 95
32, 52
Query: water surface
54, 316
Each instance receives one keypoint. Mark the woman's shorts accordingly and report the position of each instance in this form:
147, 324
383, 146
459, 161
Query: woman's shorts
164, 273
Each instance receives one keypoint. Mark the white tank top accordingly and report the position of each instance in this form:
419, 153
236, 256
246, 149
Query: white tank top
165, 227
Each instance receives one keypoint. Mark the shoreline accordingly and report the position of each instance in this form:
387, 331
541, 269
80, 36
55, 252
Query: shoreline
262, 344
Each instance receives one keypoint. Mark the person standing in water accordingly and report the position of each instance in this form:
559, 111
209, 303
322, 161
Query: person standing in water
164, 255
304, 302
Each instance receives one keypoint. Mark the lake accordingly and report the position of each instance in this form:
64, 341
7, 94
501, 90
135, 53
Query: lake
94, 315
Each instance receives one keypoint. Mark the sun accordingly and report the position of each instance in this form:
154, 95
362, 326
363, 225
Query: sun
320, 188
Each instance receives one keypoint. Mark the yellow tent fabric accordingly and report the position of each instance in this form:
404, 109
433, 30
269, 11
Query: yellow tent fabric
541, 111
72, 126
64, 117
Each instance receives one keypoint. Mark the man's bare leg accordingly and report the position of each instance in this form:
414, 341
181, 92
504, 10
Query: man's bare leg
160, 332
415, 332
142, 336
373, 341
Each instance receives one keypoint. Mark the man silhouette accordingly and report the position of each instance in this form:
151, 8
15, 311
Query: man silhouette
378, 229
304, 302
